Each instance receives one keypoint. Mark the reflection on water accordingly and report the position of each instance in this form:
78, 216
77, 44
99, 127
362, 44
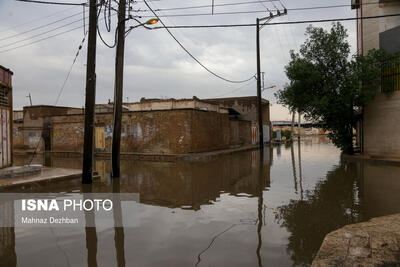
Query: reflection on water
229, 211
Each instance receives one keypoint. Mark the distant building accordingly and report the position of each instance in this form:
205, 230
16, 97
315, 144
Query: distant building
379, 130
247, 108
306, 128
5, 117
158, 126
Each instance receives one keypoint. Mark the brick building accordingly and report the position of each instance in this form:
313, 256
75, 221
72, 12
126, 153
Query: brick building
378, 131
150, 126
247, 108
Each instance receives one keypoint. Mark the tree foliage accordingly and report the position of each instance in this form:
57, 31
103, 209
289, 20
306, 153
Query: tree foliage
330, 86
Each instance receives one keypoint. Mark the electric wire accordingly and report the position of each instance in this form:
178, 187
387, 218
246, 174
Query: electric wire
53, 3
261, 2
99, 33
224, 13
43, 39
272, 2
40, 27
40, 40
221, 26
42, 33
272, 23
237, 89
35, 20
70, 69
280, 2
107, 20
193, 57
208, 6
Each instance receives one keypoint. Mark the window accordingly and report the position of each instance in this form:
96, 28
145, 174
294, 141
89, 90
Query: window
390, 81
4, 96
355, 4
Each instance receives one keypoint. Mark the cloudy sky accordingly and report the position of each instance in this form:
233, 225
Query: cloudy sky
155, 65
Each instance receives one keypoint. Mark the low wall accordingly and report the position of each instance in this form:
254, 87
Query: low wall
167, 131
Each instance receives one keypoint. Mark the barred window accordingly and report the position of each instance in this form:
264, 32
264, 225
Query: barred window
4, 96
390, 78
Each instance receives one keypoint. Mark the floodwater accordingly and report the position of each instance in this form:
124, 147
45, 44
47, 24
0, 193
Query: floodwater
235, 210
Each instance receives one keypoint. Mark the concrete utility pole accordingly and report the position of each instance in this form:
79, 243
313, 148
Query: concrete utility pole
259, 100
118, 88
90, 101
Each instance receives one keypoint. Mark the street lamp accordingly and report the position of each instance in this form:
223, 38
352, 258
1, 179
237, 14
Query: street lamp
259, 103
273, 86
144, 24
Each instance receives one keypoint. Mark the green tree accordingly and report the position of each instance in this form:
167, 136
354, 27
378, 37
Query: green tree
330, 86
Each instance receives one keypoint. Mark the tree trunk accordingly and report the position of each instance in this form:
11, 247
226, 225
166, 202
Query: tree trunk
292, 133
299, 125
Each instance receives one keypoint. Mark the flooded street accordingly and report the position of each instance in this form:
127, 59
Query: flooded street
234, 210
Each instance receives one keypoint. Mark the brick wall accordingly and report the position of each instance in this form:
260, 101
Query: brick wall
245, 132
167, 131
246, 106
18, 136
210, 131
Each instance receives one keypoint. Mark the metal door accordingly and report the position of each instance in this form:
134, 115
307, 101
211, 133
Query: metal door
5, 132
99, 137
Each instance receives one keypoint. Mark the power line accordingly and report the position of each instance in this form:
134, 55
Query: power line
237, 89
54, 29
39, 34
99, 33
194, 58
245, 12
39, 27
262, 3
219, 26
70, 69
53, 3
206, 14
208, 6
34, 20
273, 4
45, 38
40, 40
273, 23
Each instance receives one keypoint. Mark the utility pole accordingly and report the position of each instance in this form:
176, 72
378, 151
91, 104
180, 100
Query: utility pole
118, 88
259, 101
30, 98
90, 100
